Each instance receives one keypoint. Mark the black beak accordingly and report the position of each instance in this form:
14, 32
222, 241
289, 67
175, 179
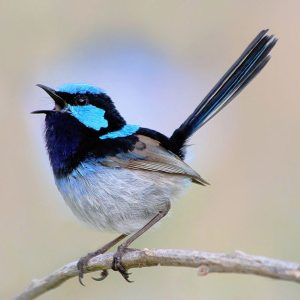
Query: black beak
59, 102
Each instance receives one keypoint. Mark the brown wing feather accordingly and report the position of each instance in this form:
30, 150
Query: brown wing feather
149, 155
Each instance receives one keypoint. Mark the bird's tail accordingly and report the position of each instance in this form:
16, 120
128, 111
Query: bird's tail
250, 63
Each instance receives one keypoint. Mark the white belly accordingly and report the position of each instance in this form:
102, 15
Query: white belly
118, 199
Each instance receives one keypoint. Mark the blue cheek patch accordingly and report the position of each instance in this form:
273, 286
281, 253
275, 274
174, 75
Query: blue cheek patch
89, 115
79, 88
126, 130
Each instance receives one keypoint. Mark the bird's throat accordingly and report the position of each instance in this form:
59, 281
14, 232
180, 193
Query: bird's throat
67, 142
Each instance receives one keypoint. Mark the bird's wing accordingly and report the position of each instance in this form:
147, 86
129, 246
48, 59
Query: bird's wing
149, 155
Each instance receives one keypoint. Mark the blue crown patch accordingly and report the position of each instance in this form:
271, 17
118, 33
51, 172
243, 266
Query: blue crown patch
79, 88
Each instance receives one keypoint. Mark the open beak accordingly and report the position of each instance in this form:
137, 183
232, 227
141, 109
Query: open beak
59, 102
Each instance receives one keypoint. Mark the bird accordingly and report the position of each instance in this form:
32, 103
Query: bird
121, 177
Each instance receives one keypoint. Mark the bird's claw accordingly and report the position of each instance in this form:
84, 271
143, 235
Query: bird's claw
103, 275
117, 263
81, 265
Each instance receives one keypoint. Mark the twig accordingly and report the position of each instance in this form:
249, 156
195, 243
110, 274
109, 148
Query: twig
237, 262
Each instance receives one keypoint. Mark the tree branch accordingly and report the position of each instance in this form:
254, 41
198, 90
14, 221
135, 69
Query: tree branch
237, 262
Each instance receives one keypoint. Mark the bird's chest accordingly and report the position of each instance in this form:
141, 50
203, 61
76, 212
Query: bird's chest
118, 199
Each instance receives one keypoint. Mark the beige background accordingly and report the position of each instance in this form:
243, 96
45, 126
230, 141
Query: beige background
157, 59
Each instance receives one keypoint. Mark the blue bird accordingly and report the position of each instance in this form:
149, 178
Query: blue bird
122, 177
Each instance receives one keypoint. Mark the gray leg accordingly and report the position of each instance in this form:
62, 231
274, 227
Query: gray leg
83, 261
123, 248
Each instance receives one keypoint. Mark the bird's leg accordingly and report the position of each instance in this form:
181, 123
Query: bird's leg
83, 261
123, 248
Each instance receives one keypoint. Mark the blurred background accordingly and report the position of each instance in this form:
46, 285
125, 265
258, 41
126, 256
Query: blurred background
157, 60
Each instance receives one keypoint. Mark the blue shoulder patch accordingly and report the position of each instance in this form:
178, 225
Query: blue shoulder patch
79, 88
126, 130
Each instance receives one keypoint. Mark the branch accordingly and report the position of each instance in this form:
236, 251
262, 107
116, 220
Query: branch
237, 262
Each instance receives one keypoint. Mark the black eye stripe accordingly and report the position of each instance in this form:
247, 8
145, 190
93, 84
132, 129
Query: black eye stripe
101, 101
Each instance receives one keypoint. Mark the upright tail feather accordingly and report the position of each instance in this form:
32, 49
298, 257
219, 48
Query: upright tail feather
250, 63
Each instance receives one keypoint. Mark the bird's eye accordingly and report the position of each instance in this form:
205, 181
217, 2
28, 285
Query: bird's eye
81, 101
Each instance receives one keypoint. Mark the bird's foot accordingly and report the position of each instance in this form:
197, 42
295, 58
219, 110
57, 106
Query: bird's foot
83, 263
117, 264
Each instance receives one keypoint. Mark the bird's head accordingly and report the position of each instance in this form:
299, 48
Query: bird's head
84, 120
87, 105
